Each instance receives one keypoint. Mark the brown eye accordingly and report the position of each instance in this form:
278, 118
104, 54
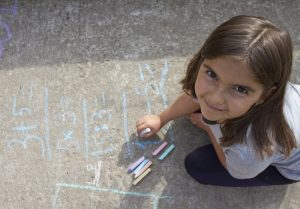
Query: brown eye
241, 90
211, 74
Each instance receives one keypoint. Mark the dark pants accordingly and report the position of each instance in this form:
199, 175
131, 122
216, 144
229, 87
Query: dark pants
204, 166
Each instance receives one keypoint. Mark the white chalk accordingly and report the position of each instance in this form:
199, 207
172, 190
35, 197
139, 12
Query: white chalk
136, 181
135, 164
143, 169
159, 149
144, 131
160, 135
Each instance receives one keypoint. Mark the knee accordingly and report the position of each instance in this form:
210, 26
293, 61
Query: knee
191, 162
195, 169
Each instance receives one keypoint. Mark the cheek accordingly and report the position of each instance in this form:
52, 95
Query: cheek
239, 107
199, 86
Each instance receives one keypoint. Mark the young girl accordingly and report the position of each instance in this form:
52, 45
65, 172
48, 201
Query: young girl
236, 88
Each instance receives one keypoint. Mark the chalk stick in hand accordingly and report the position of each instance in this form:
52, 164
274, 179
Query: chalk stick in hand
144, 131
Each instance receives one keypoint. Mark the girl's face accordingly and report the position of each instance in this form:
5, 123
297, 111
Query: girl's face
226, 88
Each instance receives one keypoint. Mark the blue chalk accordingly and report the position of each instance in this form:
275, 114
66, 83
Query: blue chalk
166, 152
140, 166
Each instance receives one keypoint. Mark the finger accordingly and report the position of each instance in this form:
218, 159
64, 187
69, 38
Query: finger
192, 117
139, 122
189, 116
147, 135
140, 127
196, 117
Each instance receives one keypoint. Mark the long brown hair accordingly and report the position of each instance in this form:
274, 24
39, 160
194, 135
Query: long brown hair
267, 50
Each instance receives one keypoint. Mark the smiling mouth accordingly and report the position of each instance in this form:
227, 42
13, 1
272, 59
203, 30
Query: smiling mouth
213, 107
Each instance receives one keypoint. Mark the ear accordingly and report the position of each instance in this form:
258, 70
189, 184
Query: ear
265, 96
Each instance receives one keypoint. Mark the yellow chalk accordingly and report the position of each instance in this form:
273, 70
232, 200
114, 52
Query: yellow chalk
136, 181
160, 135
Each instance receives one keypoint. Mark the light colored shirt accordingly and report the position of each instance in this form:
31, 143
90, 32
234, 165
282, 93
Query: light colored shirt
243, 161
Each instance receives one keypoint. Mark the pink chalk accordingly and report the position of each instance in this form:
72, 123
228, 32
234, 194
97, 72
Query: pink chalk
159, 149
135, 164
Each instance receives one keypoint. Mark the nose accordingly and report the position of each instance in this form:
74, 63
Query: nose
217, 97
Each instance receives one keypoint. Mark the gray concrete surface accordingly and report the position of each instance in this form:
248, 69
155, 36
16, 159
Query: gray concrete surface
75, 76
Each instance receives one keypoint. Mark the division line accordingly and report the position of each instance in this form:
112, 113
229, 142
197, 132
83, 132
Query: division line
114, 191
163, 79
125, 123
86, 129
47, 130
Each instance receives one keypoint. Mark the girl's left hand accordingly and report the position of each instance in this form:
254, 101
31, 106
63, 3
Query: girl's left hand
196, 119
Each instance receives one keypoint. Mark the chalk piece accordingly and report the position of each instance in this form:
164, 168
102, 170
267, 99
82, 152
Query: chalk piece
143, 169
141, 166
136, 181
164, 131
166, 152
144, 131
159, 149
160, 134
135, 164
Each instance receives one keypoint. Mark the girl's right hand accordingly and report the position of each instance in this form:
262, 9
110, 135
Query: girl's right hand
149, 121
